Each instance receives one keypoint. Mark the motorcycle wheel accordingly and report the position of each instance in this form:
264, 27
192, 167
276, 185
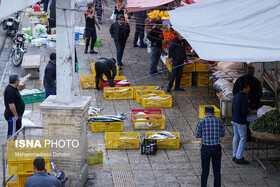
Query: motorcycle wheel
17, 56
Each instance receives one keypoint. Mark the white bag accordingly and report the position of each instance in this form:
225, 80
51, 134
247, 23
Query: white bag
264, 109
113, 17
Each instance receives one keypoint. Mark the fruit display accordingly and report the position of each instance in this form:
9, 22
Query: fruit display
269, 122
168, 35
157, 14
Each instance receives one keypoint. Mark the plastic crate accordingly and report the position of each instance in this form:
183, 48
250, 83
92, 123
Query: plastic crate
33, 98
157, 103
166, 143
92, 65
146, 111
185, 82
116, 81
168, 65
106, 126
139, 94
203, 82
22, 179
186, 76
201, 67
135, 88
24, 166
217, 112
12, 184
113, 140
113, 93
149, 147
87, 81
95, 158
148, 121
202, 75
189, 68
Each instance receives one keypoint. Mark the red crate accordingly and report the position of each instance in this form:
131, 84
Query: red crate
106, 84
146, 111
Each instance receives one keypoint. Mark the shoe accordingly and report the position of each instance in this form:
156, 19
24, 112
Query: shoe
168, 90
179, 89
85, 51
93, 52
143, 46
121, 64
241, 161
233, 159
120, 67
135, 45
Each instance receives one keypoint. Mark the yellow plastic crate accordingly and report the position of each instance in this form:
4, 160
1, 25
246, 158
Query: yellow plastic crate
92, 65
203, 75
113, 93
141, 88
157, 103
113, 140
203, 82
106, 126
168, 65
22, 179
166, 143
17, 153
201, 67
148, 121
94, 115
186, 82
24, 166
186, 76
117, 78
139, 94
189, 68
217, 112
87, 81
95, 158
12, 184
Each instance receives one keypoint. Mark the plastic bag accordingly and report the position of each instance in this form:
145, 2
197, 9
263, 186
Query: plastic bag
264, 109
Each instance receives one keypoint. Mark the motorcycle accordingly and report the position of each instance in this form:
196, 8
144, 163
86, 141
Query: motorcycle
18, 49
12, 24
59, 175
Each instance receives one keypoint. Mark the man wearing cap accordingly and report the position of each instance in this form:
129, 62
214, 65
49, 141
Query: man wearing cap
156, 37
108, 67
120, 31
50, 76
14, 105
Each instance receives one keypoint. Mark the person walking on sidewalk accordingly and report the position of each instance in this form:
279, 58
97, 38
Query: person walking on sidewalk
210, 129
120, 31
50, 76
108, 67
14, 105
139, 17
98, 10
156, 37
177, 55
90, 30
239, 119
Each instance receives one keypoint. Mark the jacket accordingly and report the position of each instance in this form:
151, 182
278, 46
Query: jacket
255, 93
50, 75
177, 50
42, 180
105, 65
240, 108
120, 32
155, 35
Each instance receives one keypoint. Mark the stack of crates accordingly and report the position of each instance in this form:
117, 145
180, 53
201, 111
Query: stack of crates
23, 166
202, 79
186, 80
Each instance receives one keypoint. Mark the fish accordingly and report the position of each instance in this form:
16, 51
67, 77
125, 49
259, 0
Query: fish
156, 97
121, 90
93, 110
107, 118
163, 135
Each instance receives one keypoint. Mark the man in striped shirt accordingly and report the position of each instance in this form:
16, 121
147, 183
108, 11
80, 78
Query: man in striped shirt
210, 129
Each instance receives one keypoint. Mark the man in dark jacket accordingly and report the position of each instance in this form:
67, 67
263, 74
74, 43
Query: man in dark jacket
255, 93
239, 119
90, 30
139, 28
108, 67
14, 105
155, 36
50, 76
177, 57
120, 31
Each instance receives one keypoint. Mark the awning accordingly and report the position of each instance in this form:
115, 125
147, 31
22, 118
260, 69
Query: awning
233, 31
138, 5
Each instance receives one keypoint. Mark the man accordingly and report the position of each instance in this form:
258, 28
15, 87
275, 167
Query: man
239, 119
210, 129
139, 17
177, 57
105, 66
50, 76
41, 177
98, 10
255, 93
156, 37
14, 105
90, 30
120, 31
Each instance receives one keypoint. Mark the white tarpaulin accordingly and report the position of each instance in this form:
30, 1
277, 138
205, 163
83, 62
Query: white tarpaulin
231, 30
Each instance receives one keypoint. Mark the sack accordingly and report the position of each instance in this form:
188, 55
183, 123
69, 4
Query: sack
98, 43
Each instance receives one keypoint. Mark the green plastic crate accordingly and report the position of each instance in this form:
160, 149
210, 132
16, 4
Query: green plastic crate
33, 98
